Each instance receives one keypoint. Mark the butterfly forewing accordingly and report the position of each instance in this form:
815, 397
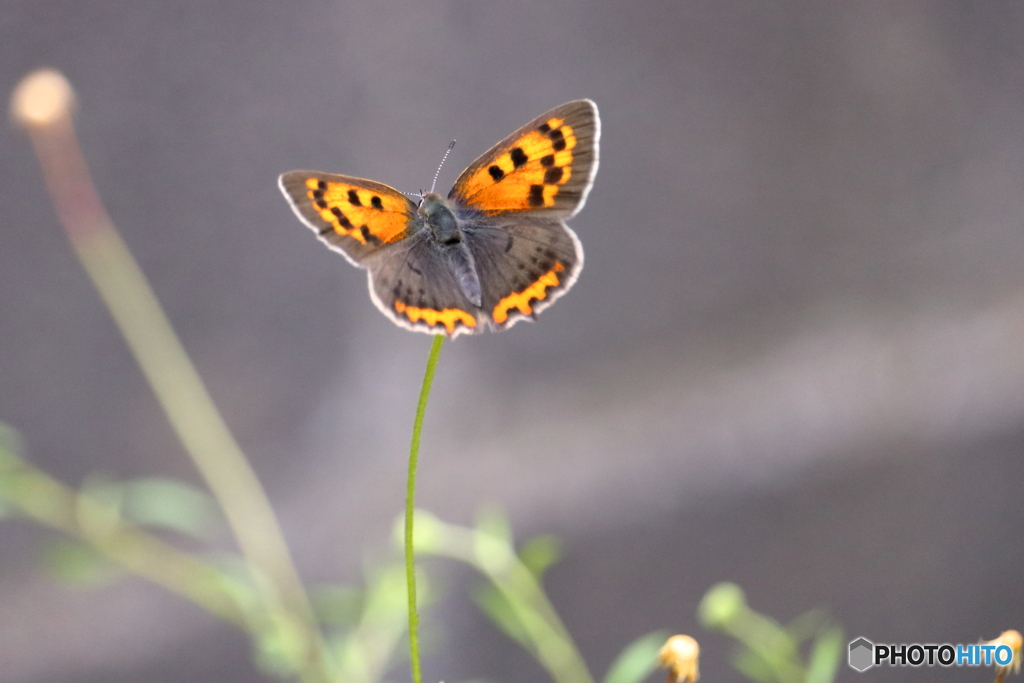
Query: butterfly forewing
353, 215
546, 167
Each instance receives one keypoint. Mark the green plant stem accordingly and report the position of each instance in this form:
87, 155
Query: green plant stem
174, 380
410, 508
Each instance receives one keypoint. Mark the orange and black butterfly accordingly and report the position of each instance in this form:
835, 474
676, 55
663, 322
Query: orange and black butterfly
496, 251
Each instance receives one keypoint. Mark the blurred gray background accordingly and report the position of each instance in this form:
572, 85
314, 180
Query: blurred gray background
794, 359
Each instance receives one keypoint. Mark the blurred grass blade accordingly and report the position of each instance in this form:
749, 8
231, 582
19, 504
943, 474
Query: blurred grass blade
170, 504
78, 564
807, 625
39, 496
337, 605
753, 666
493, 521
540, 553
496, 607
825, 657
637, 660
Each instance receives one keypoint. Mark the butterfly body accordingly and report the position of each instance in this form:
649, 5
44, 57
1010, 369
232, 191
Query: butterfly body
449, 236
495, 251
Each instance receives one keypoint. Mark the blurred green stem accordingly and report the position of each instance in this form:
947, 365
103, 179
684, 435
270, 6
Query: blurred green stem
494, 557
163, 360
410, 507
724, 608
765, 637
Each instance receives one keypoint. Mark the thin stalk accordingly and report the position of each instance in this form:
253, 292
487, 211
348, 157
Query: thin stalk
410, 506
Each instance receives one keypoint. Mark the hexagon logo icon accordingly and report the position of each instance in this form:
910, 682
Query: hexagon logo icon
862, 653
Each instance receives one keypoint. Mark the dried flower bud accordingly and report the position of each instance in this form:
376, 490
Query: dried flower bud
41, 98
679, 655
1012, 640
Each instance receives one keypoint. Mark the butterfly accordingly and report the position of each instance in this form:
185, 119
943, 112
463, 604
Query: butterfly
495, 251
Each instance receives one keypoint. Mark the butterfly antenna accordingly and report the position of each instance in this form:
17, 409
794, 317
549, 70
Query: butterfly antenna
449, 151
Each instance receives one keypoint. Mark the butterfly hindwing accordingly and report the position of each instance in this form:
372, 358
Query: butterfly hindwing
415, 286
354, 216
547, 166
524, 263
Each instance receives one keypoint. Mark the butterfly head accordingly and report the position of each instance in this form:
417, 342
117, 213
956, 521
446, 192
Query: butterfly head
438, 217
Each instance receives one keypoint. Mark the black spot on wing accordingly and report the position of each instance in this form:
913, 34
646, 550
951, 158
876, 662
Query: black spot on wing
557, 139
353, 198
548, 160
518, 157
368, 236
552, 175
376, 203
536, 195
343, 220
496, 173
